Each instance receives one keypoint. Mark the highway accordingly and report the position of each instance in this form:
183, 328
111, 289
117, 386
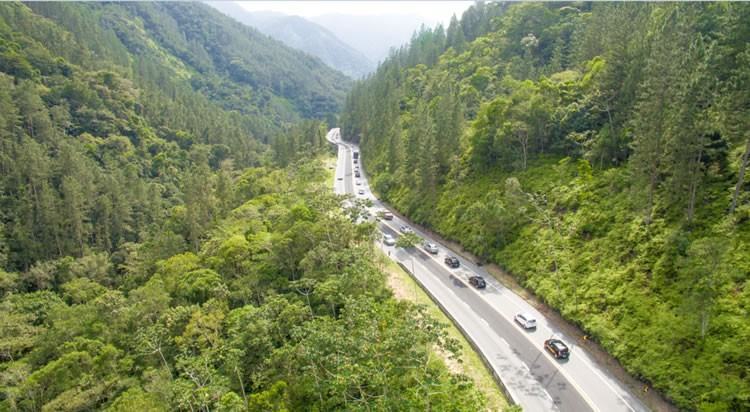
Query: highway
533, 378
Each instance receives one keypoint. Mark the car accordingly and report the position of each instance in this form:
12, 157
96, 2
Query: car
361, 191
452, 261
356, 174
341, 178
389, 240
358, 183
478, 282
387, 215
405, 229
557, 348
526, 320
431, 247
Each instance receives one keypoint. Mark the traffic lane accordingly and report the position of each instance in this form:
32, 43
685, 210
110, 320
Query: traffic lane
348, 184
564, 395
340, 167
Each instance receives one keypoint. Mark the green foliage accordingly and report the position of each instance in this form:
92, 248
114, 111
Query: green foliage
154, 255
598, 153
281, 308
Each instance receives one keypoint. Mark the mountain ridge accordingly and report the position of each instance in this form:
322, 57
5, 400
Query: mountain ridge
305, 35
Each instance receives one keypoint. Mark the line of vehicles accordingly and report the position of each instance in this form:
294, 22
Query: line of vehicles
556, 347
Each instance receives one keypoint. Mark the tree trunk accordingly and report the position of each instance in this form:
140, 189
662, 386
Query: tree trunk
741, 177
694, 186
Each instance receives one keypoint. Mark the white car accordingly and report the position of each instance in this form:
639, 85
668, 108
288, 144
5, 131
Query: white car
526, 320
358, 183
405, 229
431, 247
388, 240
361, 191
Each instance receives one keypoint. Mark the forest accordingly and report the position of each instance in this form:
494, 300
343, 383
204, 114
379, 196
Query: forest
168, 236
597, 152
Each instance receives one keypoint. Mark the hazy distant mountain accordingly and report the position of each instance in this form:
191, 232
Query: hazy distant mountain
373, 35
303, 35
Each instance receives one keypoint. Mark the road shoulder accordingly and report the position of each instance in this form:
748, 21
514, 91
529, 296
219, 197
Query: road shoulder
471, 365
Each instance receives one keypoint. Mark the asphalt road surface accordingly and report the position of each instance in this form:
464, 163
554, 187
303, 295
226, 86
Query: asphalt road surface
534, 379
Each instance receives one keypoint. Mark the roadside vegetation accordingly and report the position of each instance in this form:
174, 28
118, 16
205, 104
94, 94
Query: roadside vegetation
168, 236
469, 363
597, 152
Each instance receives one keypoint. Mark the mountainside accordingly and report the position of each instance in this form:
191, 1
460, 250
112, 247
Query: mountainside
168, 238
223, 59
374, 36
597, 152
302, 34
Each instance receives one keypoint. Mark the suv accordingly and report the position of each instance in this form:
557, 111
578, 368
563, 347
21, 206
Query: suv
526, 320
557, 348
389, 240
452, 261
478, 282
431, 247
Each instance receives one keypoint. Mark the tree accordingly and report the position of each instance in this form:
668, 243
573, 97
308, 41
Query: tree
704, 266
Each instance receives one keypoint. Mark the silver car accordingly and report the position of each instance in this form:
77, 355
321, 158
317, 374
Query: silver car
431, 248
526, 320
388, 240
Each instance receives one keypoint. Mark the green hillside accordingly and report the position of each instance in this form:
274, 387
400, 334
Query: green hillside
107, 120
168, 237
597, 152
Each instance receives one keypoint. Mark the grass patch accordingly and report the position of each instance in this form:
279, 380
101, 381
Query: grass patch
406, 288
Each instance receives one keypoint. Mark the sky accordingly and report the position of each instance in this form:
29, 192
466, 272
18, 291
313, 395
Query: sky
432, 11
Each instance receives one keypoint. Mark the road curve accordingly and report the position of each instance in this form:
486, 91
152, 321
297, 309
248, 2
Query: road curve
534, 379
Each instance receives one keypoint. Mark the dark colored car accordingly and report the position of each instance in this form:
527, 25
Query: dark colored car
452, 261
356, 174
557, 348
478, 282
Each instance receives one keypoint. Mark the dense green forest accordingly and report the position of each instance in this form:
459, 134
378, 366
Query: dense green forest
282, 307
597, 152
168, 236
110, 124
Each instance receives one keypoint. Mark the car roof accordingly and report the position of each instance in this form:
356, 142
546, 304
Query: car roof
527, 316
558, 343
